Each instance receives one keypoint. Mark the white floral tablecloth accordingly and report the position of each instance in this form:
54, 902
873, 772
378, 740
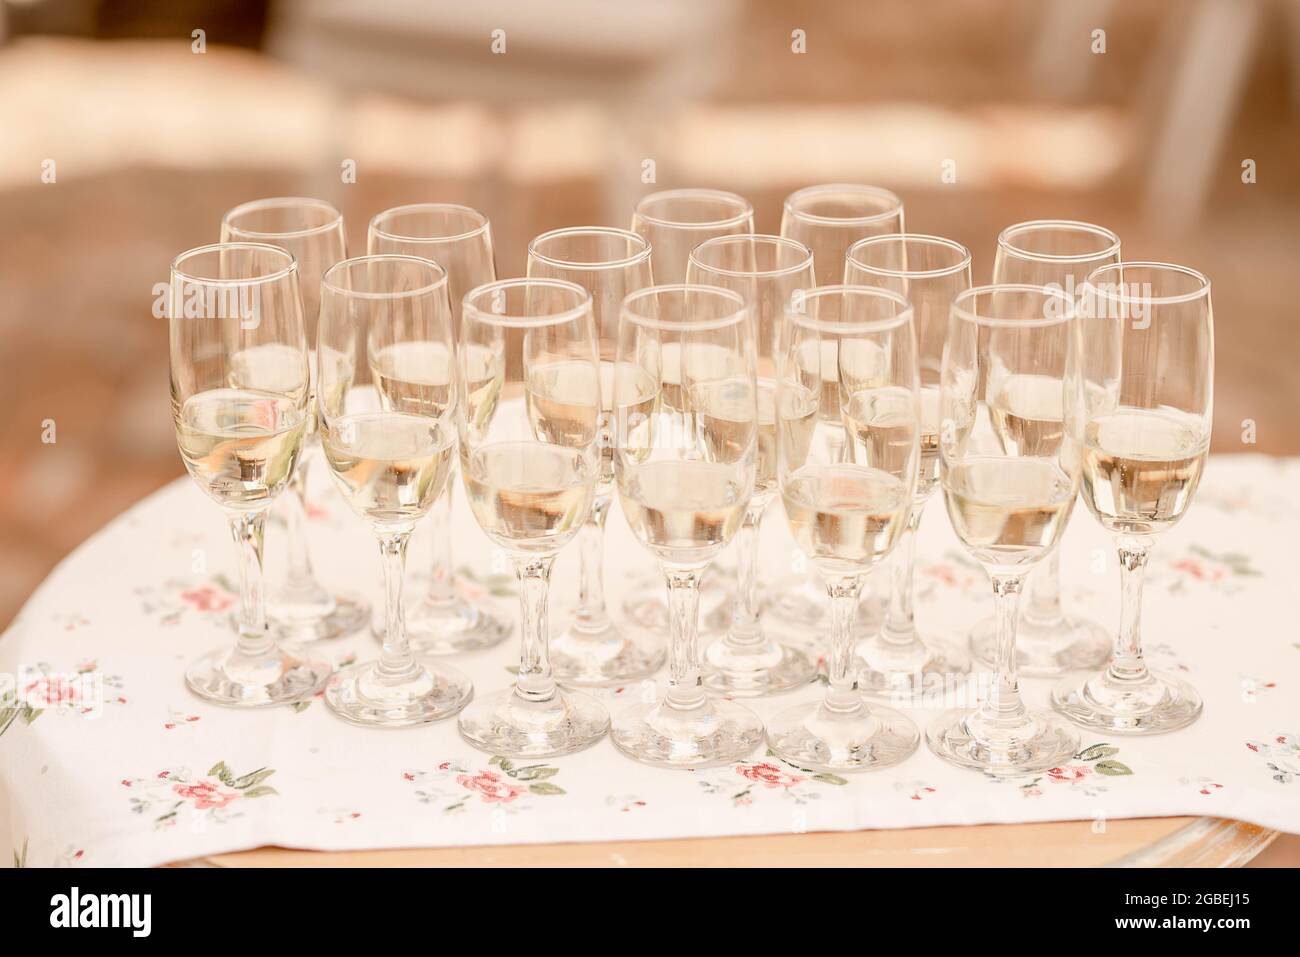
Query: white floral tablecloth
107, 759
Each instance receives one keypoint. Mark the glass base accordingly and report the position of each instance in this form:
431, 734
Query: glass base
750, 670
1036, 741
360, 695
1157, 703
284, 675
646, 604
711, 733
888, 671
507, 724
448, 627
610, 655
315, 614
1046, 650
816, 737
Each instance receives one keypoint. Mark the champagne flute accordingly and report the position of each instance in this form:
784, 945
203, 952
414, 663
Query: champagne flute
828, 219
459, 239
685, 475
312, 231
929, 272
1061, 254
531, 461
674, 222
609, 263
1008, 501
240, 438
765, 270
1143, 423
848, 484
390, 461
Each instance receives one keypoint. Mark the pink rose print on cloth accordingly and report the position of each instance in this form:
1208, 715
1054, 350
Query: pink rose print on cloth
215, 797
177, 598
1199, 567
459, 788
764, 778
1281, 755
82, 692
1086, 774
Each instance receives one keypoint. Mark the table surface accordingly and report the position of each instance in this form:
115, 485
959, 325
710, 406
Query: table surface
1169, 842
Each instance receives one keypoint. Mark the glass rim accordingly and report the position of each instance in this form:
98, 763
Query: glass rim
924, 239
282, 202
855, 188
1003, 322
1116, 293
720, 195
469, 311
376, 229
739, 314
639, 256
1076, 225
800, 317
344, 265
288, 269
767, 238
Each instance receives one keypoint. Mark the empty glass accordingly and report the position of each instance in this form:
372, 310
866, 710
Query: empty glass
675, 221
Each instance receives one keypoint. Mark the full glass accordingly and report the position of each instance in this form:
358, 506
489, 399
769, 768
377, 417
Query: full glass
389, 443
311, 230
459, 239
239, 425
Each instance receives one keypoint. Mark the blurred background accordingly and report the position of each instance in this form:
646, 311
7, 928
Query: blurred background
125, 134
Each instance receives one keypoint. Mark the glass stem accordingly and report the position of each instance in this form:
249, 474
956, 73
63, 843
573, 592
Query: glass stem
534, 682
1127, 663
301, 578
442, 576
1003, 702
591, 615
844, 593
744, 619
248, 529
685, 687
1044, 593
900, 620
396, 663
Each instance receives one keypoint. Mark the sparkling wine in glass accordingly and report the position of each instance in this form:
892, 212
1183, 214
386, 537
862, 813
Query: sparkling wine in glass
299, 608
685, 475
929, 272
390, 462
1142, 422
459, 239
1008, 502
240, 430
848, 487
766, 270
530, 458
828, 219
1061, 254
609, 263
